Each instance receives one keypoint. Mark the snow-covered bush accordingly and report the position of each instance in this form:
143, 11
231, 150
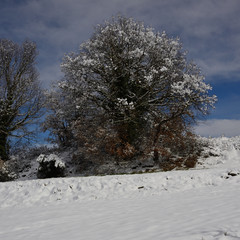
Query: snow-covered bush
6, 174
219, 151
50, 166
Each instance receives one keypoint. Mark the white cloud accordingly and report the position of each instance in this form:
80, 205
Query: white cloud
219, 127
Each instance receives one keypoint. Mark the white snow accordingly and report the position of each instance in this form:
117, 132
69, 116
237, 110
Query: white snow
203, 203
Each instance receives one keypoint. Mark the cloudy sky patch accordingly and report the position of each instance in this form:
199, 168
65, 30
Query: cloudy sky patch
218, 128
208, 29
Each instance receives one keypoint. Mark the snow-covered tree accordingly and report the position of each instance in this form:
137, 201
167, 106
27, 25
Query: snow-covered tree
139, 78
20, 94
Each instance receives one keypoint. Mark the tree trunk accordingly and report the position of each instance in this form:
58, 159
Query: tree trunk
156, 156
155, 143
3, 147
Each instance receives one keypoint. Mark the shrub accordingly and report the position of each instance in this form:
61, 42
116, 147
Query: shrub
50, 166
5, 172
178, 147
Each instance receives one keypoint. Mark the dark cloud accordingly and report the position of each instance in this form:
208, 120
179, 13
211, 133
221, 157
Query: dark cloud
209, 29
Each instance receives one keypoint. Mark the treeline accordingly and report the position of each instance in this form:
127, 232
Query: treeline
128, 93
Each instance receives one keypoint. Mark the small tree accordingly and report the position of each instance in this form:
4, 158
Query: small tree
139, 79
20, 94
62, 113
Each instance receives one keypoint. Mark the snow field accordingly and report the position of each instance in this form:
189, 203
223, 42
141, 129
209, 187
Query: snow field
211, 212
195, 204
203, 203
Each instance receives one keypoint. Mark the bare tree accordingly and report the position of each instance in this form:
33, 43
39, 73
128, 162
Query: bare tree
20, 93
62, 112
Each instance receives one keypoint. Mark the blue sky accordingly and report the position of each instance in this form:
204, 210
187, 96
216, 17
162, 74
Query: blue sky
208, 29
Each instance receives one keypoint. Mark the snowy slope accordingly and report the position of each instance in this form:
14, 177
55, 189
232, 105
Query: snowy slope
206, 213
203, 203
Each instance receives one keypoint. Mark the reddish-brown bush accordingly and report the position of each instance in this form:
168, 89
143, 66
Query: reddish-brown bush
177, 146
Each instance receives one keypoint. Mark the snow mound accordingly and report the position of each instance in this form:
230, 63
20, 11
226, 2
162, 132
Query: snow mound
220, 152
66, 190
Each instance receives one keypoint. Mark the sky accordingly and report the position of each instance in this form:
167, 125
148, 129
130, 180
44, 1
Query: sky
208, 29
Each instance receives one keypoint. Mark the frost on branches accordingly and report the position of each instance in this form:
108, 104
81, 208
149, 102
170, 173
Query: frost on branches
140, 79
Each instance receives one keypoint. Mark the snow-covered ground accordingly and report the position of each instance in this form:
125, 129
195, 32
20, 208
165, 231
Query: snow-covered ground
203, 203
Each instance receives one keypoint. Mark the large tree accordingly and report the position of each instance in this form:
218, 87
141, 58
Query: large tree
20, 93
139, 78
